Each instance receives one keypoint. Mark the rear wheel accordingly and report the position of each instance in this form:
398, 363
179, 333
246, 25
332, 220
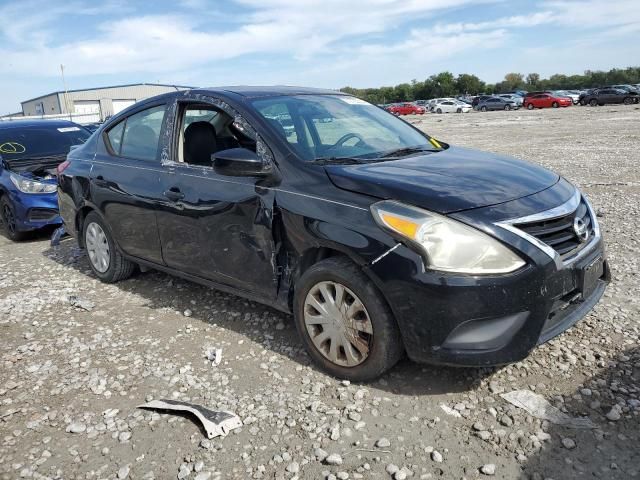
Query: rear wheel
554, 104
530, 106
9, 220
593, 102
344, 322
439, 110
105, 260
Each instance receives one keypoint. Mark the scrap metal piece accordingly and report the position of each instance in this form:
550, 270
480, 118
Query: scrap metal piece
215, 423
539, 407
82, 303
57, 235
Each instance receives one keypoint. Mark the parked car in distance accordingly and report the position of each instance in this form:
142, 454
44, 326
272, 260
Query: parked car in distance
571, 94
517, 99
451, 106
478, 99
605, 96
631, 90
546, 100
378, 238
496, 103
406, 109
30, 152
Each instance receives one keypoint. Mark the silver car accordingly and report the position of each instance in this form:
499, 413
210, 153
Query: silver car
496, 103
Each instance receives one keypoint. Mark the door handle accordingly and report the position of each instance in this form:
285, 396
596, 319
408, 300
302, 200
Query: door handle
174, 194
100, 181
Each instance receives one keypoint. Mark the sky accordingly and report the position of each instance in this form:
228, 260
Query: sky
324, 43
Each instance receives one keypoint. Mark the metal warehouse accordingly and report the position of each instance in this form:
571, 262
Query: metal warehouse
93, 104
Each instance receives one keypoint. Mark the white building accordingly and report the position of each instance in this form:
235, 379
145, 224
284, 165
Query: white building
93, 104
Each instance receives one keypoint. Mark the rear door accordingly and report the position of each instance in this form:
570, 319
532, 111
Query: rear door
125, 181
215, 226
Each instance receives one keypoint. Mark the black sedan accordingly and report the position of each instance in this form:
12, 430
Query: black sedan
605, 96
378, 238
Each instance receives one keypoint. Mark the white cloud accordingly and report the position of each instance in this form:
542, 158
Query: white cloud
160, 43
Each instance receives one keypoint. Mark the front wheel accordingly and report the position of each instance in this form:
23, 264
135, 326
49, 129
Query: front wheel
483, 109
439, 110
507, 107
530, 106
459, 110
9, 221
554, 104
593, 103
628, 101
105, 260
344, 322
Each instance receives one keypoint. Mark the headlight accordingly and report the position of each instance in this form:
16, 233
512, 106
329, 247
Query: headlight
446, 244
27, 185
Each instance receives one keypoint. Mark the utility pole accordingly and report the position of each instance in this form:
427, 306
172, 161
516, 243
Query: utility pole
66, 95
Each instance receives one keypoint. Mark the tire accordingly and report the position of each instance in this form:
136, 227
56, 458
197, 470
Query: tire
530, 106
439, 110
628, 101
117, 267
384, 343
593, 102
507, 107
582, 102
9, 221
459, 110
554, 104
483, 108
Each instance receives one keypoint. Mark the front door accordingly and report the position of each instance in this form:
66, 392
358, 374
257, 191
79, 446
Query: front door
214, 226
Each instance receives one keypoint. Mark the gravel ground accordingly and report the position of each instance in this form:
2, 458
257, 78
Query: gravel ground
71, 379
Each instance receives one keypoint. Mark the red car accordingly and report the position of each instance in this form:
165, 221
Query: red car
546, 100
406, 109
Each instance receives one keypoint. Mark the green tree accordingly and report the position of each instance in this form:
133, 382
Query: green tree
469, 84
533, 79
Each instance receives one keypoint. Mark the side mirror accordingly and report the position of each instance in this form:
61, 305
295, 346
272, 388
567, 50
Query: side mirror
239, 162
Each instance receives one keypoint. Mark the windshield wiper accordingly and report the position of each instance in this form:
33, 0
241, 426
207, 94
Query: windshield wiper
337, 161
401, 152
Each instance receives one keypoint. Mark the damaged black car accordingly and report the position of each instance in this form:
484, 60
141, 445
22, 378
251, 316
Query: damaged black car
30, 152
378, 238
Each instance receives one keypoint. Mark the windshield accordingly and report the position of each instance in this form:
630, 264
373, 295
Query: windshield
335, 127
42, 141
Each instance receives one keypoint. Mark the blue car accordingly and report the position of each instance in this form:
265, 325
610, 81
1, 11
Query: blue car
30, 152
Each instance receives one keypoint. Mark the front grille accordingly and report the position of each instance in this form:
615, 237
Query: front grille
41, 214
559, 233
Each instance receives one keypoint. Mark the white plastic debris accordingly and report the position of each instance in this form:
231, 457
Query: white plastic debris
214, 355
539, 407
215, 423
450, 411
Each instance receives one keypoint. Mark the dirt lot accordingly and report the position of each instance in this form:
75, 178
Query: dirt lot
70, 379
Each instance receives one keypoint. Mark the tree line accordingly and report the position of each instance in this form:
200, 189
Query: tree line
445, 84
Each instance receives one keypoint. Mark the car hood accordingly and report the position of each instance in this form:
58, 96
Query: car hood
448, 181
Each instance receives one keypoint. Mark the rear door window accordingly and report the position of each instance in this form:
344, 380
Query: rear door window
138, 135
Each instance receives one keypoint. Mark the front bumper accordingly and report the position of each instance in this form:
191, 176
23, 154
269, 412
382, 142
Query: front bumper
481, 321
34, 211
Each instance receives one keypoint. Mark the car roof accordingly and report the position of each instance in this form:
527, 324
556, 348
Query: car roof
28, 123
268, 91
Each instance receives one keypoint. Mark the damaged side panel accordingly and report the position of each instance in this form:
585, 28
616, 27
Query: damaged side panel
221, 228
